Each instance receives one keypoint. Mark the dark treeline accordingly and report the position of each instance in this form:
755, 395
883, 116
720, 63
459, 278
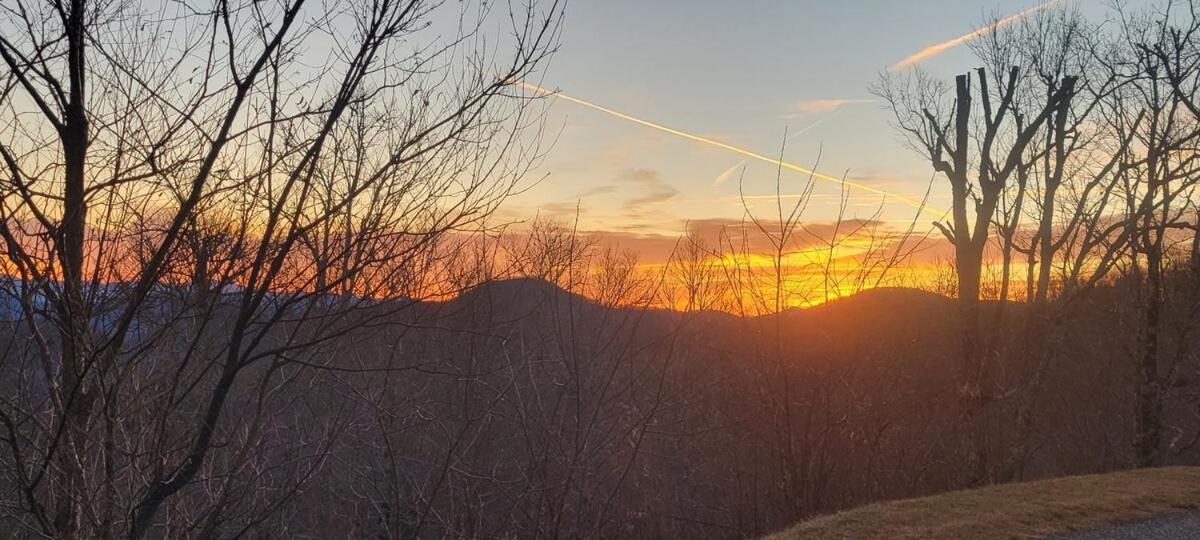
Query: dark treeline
255, 285
521, 409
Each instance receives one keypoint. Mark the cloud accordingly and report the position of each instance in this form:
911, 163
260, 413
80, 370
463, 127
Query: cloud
813, 106
574, 205
939, 48
713, 230
736, 149
722, 234
599, 190
654, 189
657, 196
650, 247
561, 209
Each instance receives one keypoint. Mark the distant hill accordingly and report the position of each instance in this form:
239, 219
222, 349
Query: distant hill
548, 407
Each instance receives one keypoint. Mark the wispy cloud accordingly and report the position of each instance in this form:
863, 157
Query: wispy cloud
728, 174
599, 190
812, 106
737, 150
657, 247
939, 48
650, 182
561, 209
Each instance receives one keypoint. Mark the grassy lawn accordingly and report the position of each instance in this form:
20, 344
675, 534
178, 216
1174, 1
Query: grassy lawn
1022, 510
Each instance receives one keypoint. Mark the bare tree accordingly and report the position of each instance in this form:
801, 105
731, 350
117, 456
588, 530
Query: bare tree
1157, 52
331, 147
979, 147
1079, 166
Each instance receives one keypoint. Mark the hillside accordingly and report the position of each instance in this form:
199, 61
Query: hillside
546, 407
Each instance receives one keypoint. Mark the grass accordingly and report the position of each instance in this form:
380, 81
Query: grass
1020, 510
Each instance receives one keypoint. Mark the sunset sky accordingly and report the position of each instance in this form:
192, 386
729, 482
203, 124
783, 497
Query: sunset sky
712, 69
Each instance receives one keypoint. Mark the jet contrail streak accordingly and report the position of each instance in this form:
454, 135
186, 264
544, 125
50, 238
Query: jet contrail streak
939, 48
814, 124
748, 153
725, 176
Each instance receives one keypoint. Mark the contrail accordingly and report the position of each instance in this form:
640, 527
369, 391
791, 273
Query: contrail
939, 48
814, 124
748, 153
725, 176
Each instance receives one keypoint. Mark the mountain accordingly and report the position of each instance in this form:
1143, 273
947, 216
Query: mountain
519, 409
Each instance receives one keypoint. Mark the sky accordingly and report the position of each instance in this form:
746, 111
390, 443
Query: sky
740, 73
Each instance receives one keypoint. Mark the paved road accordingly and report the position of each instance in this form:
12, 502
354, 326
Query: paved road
1175, 526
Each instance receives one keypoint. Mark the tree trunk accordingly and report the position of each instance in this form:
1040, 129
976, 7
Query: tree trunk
1149, 386
72, 402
